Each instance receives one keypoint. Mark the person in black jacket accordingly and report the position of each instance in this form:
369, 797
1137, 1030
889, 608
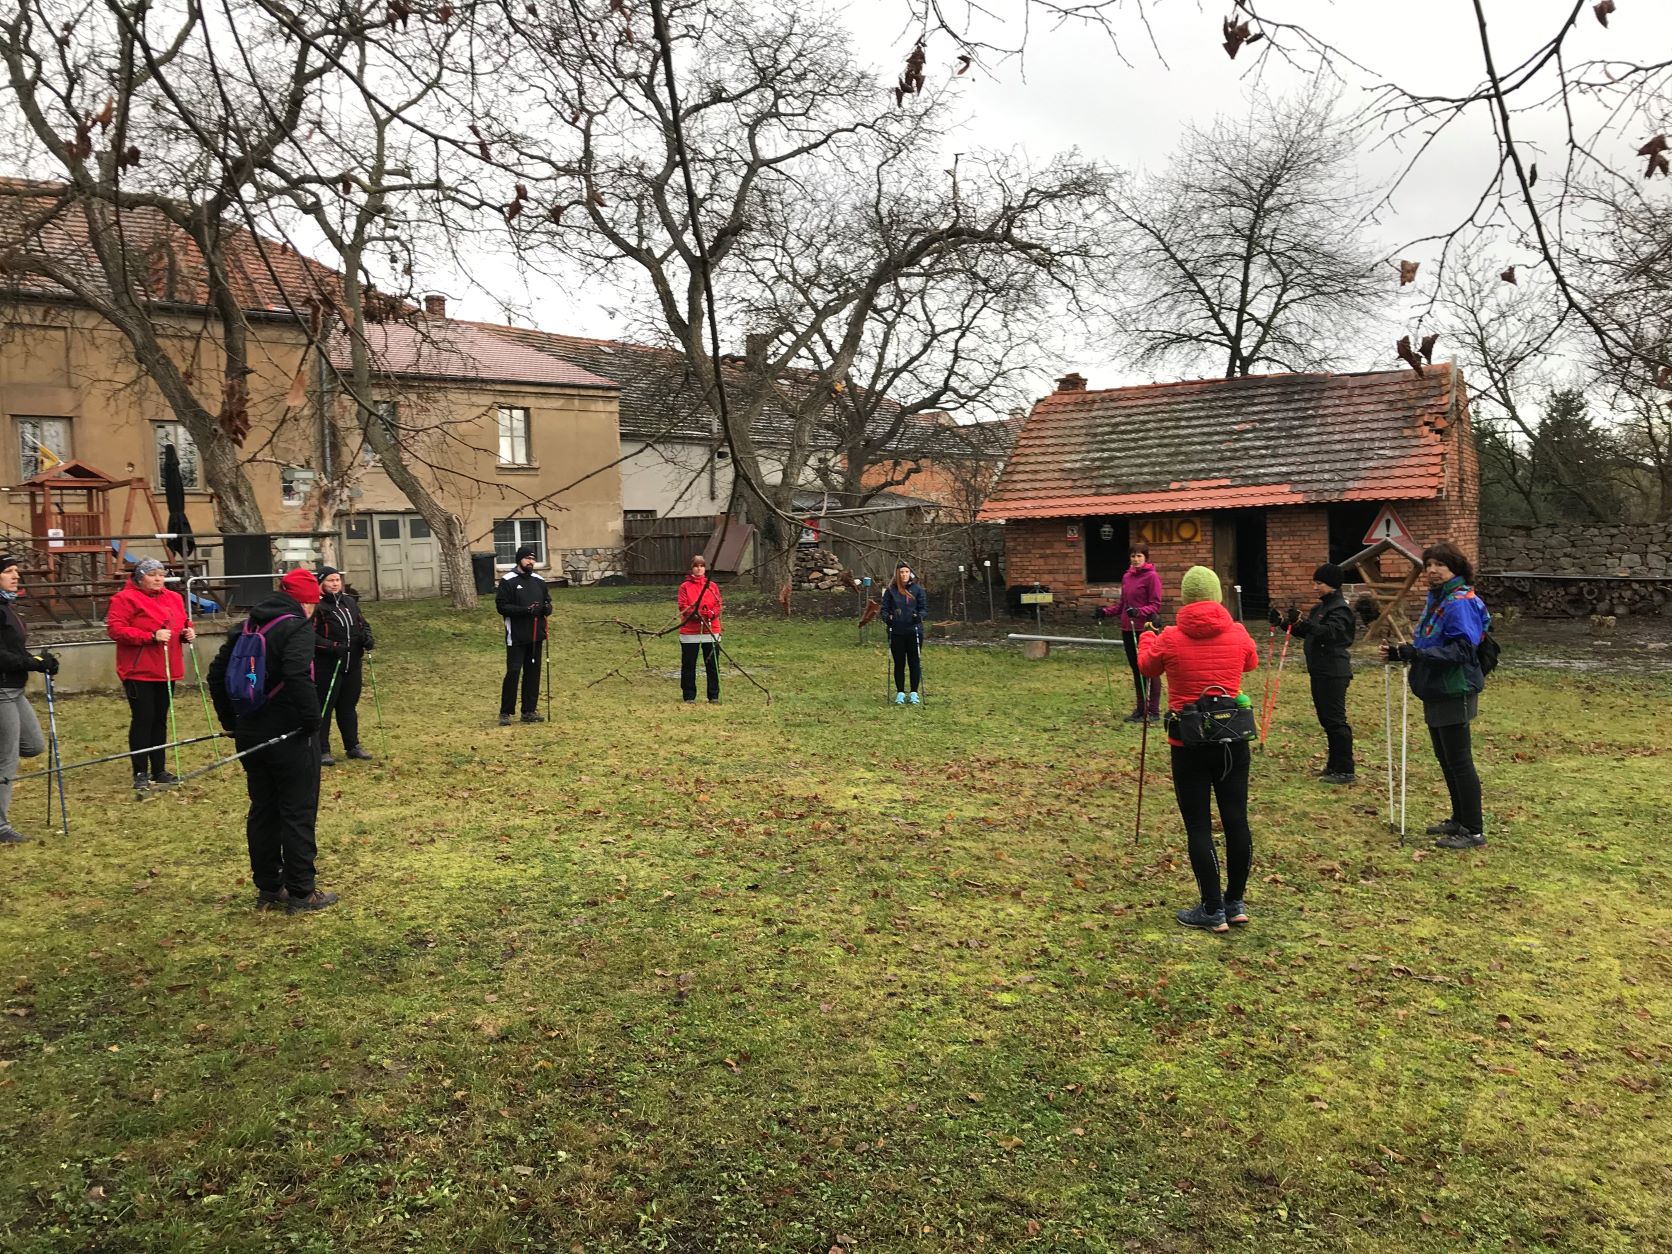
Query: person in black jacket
344, 639
282, 778
525, 603
1327, 632
20, 730
904, 607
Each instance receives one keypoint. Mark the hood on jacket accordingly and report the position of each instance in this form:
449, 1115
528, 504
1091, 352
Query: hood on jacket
1144, 569
276, 606
1203, 620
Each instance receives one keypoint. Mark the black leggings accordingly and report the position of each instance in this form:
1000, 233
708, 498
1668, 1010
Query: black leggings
344, 701
1329, 699
1200, 774
1457, 764
148, 723
688, 669
1130, 639
907, 653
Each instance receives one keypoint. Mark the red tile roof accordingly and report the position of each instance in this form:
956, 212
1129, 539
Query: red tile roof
1287, 439
437, 349
38, 218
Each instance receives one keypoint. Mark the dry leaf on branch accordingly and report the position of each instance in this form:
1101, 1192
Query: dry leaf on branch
964, 62
1508, 276
1408, 272
1236, 35
1602, 8
1426, 348
1408, 355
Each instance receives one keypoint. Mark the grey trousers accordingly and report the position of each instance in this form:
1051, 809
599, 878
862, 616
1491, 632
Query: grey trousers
20, 737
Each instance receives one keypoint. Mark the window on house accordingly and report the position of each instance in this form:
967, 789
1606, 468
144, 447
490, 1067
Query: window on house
639, 515
41, 442
357, 527
388, 529
295, 482
513, 436
417, 528
191, 470
1348, 524
389, 414
510, 534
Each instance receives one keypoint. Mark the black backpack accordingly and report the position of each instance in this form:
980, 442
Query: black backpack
1487, 653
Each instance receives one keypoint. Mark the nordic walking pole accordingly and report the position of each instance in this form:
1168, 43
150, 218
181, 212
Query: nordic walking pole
1265, 689
1387, 738
1143, 759
56, 757
168, 687
546, 645
203, 695
1404, 745
110, 757
377, 705
1276, 686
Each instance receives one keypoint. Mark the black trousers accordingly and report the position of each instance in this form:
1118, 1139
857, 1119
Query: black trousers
1201, 774
522, 661
283, 783
1139, 683
1329, 699
907, 651
1455, 752
147, 723
688, 669
344, 701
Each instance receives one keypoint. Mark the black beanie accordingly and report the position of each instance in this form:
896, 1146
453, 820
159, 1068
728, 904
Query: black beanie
1331, 574
9, 560
325, 572
527, 550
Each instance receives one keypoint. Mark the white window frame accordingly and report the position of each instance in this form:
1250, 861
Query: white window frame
518, 532
28, 455
191, 464
514, 449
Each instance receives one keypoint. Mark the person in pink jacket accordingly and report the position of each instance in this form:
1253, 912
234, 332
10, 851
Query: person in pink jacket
699, 628
1139, 604
148, 622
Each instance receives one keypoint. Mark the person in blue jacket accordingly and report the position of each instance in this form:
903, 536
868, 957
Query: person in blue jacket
1446, 677
904, 607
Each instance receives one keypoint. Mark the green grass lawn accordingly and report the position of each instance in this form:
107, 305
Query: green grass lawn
826, 972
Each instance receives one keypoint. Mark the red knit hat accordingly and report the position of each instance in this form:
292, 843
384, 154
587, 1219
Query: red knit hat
300, 586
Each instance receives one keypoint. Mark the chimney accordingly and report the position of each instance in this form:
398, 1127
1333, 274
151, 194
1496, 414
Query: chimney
436, 307
1072, 383
755, 345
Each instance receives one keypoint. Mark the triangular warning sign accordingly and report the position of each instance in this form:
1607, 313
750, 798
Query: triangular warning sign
1391, 527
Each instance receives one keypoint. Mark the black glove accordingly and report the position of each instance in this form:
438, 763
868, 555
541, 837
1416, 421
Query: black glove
366, 641
1395, 653
47, 663
546, 610
1291, 618
1274, 616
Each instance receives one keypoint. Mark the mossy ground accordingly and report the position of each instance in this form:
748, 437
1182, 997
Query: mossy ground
825, 972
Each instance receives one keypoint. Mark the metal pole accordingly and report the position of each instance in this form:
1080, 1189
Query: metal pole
57, 757
203, 695
1237, 588
987, 566
1113, 644
1404, 744
168, 688
964, 590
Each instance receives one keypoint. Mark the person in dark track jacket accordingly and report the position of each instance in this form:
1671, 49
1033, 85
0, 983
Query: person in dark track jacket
1327, 632
283, 778
904, 607
20, 730
525, 603
344, 639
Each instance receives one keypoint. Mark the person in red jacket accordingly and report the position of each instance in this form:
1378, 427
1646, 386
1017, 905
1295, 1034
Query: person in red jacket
699, 627
1207, 649
148, 622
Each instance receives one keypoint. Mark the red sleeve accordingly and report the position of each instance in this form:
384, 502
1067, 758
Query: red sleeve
119, 623
1152, 652
684, 602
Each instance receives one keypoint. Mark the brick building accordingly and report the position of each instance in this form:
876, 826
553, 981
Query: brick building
1261, 478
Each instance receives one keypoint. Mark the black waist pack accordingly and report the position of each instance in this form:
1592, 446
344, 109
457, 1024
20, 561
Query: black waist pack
1214, 718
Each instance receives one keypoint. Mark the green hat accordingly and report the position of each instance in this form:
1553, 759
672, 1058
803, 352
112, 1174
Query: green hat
1199, 584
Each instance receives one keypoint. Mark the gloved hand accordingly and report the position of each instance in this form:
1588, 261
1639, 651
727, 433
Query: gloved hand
1274, 616
1291, 618
1395, 653
366, 643
47, 663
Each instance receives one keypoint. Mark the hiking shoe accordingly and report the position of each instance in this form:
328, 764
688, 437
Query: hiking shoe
1198, 916
325, 759
1445, 827
1137, 716
1461, 839
899, 698
532, 717
315, 900
1236, 914
914, 699
9, 835
265, 900
359, 754
142, 781
163, 779
504, 720
1337, 777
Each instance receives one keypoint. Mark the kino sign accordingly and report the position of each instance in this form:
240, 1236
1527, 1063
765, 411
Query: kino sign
1170, 529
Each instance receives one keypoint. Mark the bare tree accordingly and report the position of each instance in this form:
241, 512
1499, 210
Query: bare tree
1248, 249
775, 129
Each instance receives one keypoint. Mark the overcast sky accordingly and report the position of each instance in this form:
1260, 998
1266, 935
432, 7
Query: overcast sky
1072, 89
